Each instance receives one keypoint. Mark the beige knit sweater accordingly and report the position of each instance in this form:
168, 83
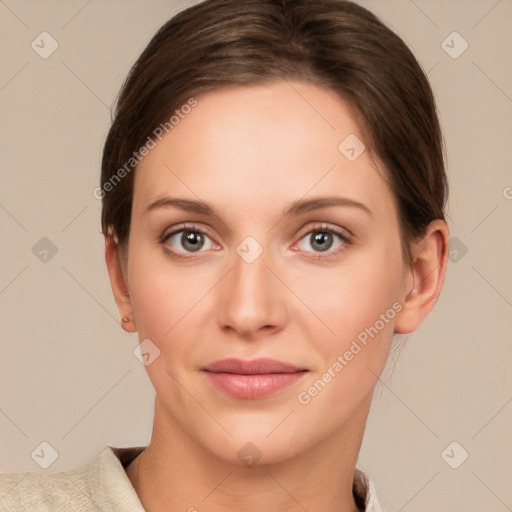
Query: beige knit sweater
101, 485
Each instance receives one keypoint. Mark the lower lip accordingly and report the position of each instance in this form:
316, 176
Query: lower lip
253, 386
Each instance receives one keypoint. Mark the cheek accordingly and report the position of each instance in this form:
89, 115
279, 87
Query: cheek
163, 294
361, 313
354, 297
358, 303
165, 300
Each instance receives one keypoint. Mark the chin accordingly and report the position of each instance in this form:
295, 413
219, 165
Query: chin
252, 446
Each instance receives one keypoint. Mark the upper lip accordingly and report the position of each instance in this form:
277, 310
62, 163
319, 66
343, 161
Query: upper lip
253, 367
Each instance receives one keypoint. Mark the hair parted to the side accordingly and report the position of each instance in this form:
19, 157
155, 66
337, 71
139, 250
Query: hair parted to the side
334, 44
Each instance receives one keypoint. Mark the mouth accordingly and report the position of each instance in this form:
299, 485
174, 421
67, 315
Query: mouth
252, 379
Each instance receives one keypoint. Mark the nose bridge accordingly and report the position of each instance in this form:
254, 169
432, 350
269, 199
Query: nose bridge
250, 297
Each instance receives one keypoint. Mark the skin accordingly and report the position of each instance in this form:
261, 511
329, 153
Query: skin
249, 152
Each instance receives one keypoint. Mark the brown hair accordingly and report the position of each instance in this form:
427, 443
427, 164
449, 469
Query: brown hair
335, 44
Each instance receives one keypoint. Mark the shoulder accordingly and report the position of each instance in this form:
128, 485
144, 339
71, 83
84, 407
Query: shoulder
100, 484
39, 491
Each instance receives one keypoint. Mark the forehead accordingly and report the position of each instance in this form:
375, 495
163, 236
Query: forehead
244, 144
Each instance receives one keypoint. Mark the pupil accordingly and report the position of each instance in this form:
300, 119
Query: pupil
320, 238
192, 238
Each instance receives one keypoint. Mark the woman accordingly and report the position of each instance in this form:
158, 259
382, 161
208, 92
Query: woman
273, 192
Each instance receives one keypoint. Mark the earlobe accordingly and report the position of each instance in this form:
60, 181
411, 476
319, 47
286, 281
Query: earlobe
118, 281
426, 275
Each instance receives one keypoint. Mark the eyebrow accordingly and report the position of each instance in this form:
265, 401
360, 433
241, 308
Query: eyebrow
298, 207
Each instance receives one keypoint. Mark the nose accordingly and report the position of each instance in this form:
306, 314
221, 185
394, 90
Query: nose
251, 298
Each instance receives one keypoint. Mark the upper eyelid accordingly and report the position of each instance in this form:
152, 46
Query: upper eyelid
327, 226
184, 227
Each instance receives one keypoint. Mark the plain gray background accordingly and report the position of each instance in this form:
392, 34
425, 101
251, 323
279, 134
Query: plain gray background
68, 375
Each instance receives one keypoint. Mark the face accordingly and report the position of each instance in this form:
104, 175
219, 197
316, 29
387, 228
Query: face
298, 260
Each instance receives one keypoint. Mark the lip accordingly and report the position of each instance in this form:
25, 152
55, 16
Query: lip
252, 379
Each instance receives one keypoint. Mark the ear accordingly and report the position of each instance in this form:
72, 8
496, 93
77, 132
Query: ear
425, 277
118, 281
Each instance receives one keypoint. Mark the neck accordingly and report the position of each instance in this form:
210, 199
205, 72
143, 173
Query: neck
176, 473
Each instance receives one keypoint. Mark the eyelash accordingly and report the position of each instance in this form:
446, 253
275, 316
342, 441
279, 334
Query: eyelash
347, 240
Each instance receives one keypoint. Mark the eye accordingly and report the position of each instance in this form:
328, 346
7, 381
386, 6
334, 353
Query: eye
190, 238
322, 239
